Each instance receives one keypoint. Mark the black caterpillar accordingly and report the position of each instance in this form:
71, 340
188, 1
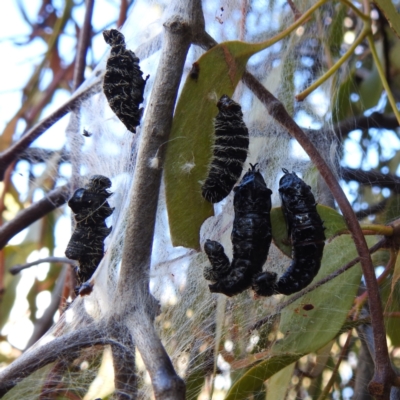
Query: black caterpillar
230, 151
251, 238
91, 208
123, 82
306, 231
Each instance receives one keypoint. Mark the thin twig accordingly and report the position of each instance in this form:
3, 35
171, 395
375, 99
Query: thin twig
43, 324
83, 44
371, 178
16, 269
13, 152
68, 346
26, 217
332, 379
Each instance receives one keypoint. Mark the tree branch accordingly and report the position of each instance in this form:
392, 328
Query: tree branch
67, 346
83, 44
16, 269
371, 178
137, 306
13, 152
26, 217
375, 120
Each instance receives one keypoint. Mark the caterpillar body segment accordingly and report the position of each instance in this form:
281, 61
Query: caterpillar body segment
306, 231
123, 82
90, 206
251, 238
229, 151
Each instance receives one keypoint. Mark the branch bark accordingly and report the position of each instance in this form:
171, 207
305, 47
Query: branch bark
67, 346
24, 218
137, 306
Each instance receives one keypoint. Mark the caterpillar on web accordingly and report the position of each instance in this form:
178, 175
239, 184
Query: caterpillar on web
306, 231
90, 206
229, 151
123, 82
251, 238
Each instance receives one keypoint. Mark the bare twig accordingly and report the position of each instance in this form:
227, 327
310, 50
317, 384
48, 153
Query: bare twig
122, 12
26, 217
16, 269
13, 152
371, 178
374, 209
375, 120
43, 324
67, 346
316, 285
83, 44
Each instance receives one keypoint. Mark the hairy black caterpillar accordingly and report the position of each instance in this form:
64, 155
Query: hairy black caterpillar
230, 151
251, 238
91, 209
123, 82
306, 232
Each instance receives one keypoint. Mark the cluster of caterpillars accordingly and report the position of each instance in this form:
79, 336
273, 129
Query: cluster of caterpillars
90, 206
251, 233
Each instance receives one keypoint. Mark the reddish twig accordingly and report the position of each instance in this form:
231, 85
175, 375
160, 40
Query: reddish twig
122, 12
84, 39
26, 217
380, 385
13, 152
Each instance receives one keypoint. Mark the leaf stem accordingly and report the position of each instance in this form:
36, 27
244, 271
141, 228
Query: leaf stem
381, 73
269, 42
301, 96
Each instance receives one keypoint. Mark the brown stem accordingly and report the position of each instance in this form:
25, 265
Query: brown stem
68, 346
83, 44
16, 269
14, 151
26, 217
137, 306
316, 285
371, 178
380, 385
43, 324
122, 13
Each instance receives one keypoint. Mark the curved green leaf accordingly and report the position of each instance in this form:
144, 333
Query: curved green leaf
254, 379
189, 149
312, 321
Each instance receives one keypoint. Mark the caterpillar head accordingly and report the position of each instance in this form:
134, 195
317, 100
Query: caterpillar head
114, 37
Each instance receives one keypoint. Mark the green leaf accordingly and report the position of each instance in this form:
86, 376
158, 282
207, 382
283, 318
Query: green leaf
190, 147
390, 13
333, 222
254, 379
278, 385
312, 321
307, 330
